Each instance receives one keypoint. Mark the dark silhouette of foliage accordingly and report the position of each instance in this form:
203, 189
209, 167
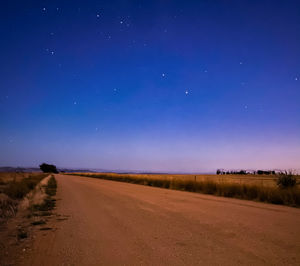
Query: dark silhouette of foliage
261, 172
48, 168
285, 181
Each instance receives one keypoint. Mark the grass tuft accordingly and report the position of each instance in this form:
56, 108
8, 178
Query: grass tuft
39, 222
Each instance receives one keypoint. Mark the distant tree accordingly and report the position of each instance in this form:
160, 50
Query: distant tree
242, 172
218, 172
48, 168
260, 172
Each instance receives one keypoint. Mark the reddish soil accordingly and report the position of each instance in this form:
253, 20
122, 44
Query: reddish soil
102, 222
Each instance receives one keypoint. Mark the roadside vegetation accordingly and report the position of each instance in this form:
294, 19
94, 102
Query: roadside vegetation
21, 214
49, 202
13, 188
18, 189
284, 191
40, 213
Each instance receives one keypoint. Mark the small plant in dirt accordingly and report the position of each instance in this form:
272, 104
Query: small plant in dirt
51, 186
22, 234
286, 181
47, 205
39, 222
45, 228
2, 182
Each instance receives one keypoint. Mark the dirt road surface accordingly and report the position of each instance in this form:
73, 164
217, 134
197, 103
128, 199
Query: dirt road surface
113, 223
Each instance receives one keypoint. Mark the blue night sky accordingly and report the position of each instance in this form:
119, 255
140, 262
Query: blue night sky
150, 85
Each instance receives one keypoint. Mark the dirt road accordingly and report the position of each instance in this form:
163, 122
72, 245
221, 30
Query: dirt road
112, 223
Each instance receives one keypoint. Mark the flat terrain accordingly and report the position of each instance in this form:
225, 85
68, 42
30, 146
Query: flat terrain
250, 179
114, 223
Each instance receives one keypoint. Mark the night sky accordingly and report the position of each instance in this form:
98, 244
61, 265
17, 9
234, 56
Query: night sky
187, 86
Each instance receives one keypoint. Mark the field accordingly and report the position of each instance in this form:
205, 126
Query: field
6, 177
249, 187
263, 180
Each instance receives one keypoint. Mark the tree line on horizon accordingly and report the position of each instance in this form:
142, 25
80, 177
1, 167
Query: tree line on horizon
254, 172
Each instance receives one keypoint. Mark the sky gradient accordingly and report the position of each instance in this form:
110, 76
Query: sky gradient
187, 86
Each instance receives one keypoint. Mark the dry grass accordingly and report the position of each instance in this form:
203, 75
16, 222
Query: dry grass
6, 177
262, 180
48, 203
243, 187
13, 187
18, 189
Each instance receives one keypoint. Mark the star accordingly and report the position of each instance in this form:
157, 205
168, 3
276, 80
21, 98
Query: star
121, 22
163, 74
186, 92
205, 71
75, 103
44, 8
296, 78
241, 63
98, 16
52, 53
246, 106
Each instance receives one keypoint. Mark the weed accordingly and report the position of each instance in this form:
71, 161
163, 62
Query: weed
22, 234
42, 213
47, 205
45, 228
51, 186
38, 222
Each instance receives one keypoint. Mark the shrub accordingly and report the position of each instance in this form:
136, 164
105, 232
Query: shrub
285, 181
